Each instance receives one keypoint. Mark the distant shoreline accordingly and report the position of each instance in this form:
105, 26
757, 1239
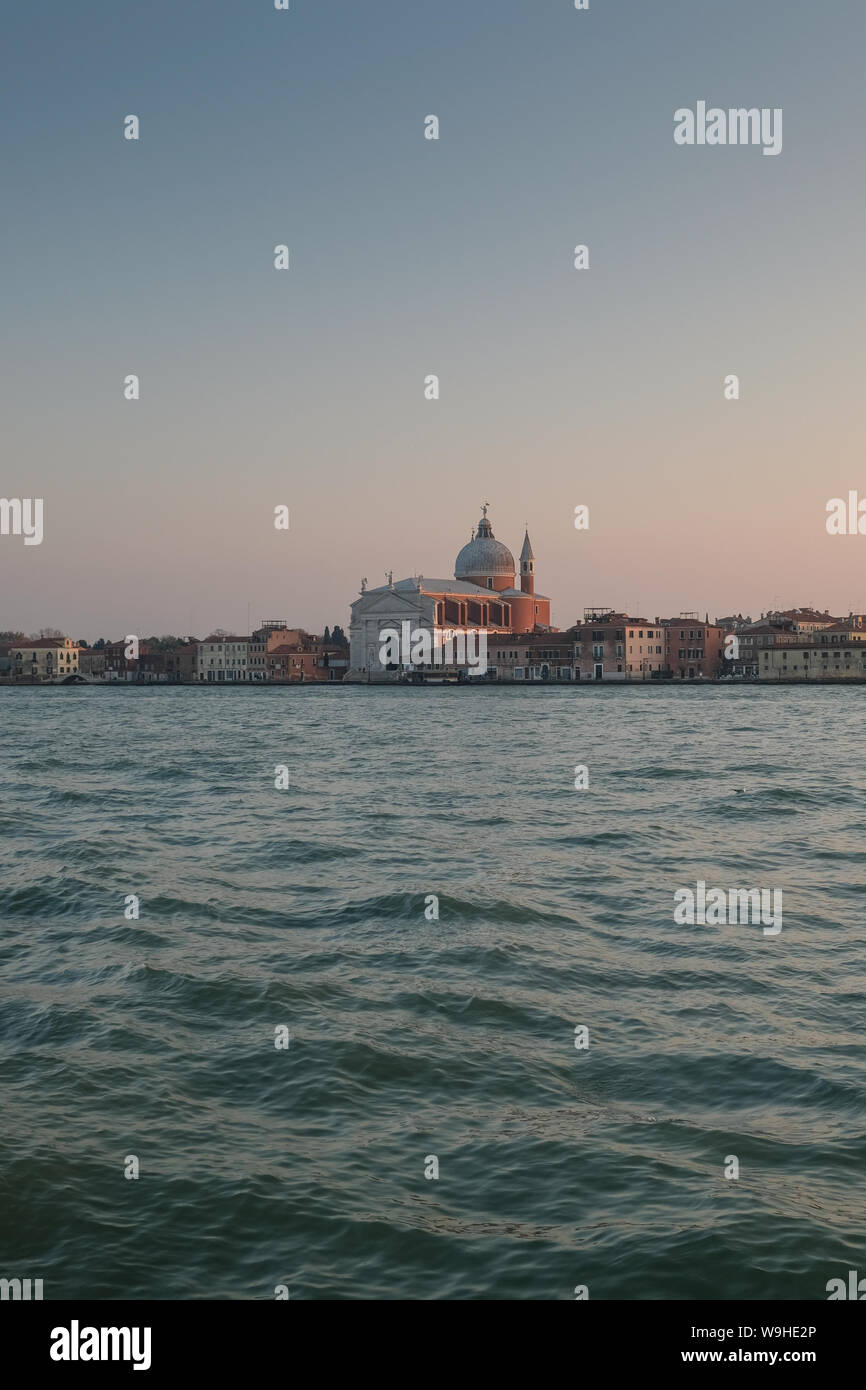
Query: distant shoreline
433, 685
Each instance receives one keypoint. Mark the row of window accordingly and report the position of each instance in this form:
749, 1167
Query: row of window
825, 656
790, 641
557, 654
536, 673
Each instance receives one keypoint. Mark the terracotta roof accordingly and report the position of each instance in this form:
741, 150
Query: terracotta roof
41, 642
762, 629
807, 614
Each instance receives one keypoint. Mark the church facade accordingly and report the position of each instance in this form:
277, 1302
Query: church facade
482, 596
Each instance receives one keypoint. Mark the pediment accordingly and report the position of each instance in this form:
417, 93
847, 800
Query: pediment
390, 603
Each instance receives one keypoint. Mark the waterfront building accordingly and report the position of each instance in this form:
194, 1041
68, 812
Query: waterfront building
760, 636
222, 659
693, 649
531, 656
117, 665
481, 597
646, 655
274, 652
611, 646
606, 646
600, 644
172, 666
257, 656
311, 659
42, 659
801, 619
271, 635
91, 663
594, 650
833, 652
777, 628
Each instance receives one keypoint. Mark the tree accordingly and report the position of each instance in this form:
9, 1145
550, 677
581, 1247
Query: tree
339, 637
327, 636
51, 632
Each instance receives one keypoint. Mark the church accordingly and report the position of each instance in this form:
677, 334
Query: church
481, 596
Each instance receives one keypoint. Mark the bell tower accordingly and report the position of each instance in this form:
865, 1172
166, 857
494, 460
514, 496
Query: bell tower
527, 566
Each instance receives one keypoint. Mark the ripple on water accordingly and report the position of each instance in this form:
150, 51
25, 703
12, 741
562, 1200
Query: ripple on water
450, 1033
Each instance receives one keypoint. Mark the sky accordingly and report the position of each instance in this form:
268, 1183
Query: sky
601, 387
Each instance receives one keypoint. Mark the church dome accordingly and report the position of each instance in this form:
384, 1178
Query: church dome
484, 557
